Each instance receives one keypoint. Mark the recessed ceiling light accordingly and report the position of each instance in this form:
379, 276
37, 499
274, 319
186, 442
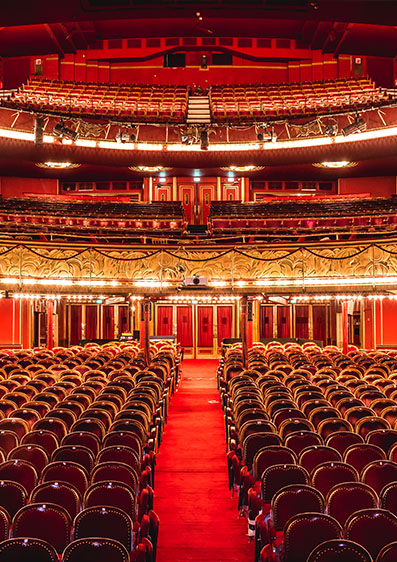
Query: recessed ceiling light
57, 165
149, 168
242, 168
338, 164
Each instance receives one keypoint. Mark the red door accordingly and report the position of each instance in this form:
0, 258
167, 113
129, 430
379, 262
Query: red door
224, 322
283, 322
266, 322
164, 321
184, 329
302, 322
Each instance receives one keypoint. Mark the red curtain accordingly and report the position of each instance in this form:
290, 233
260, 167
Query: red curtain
205, 329
320, 323
224, 321
75, 324
91, 322
283, 322
124, 323
108, 322
266, 322
164, 321
184, 326
302, 322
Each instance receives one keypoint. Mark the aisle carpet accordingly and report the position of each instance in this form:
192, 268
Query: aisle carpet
198, 519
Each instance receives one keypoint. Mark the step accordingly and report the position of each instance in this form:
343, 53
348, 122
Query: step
198, 121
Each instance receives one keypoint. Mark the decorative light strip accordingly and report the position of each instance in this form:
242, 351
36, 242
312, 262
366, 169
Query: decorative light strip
321, 298
57, 165
326, 281
213, 147
338, 164
151, 284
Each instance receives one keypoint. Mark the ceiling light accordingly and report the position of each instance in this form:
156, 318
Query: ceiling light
242, 168
57, 165
338, 164
149, 168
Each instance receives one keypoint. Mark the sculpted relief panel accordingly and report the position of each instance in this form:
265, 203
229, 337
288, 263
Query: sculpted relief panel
239, 263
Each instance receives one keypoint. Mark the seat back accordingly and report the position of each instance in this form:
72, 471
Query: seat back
293, 500
66, 471
276, 477
313, 456
19, 471
388, 553
115, 471
304, 532
372, 528
330, 473
362, 454
78, 454
104, 522
114, 494
348, 497
13, 496
45, 521
43, 437
60, 493
37, 550
269, 456
341, 550
34, 454
379, 474
95, 550
388, 498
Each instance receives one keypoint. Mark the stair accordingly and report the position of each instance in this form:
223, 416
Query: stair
198, 111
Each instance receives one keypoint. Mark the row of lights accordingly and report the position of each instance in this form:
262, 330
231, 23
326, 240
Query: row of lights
153, 284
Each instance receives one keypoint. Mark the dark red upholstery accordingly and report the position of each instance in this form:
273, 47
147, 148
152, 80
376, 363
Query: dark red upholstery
115, 471
105, 522
372, 528
78, 454
66, 471
388, 498
346, 498
34, 454
19, 471
313, 456
115, 494
362, 454
45, 521
59, 493
330, 473
13, 496
341, 550
293, 500
43, 437
28, 550
95, 550
388, 553
306, 531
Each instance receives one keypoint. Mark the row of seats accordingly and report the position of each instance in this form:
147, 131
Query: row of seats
267, 101
79, 432
135, 102
49, 216
312, 450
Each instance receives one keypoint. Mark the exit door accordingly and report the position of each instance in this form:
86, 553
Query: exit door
196, 200
199, 328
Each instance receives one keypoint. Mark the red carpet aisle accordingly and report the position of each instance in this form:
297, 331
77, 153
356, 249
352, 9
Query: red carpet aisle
198, 520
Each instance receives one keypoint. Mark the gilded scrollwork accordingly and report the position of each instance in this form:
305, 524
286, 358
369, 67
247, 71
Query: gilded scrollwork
223, 263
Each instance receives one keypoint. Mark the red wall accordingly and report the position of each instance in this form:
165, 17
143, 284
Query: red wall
15, 319
377, 186
145, 65
17, 187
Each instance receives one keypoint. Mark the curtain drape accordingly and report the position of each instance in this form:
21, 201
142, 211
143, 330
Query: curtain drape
184, 326
91, 322
224, 321
164, 321
205, 328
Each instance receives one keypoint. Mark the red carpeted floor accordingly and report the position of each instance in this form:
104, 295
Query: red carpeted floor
198, 519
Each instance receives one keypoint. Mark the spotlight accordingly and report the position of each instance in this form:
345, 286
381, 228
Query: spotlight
64, 132
331, 130
204, 140
259, 136
358, 126
38, 130
126, 136
186, 139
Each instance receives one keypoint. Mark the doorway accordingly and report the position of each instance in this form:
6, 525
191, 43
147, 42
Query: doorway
199, 328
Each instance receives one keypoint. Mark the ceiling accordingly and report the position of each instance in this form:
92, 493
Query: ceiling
367, 27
